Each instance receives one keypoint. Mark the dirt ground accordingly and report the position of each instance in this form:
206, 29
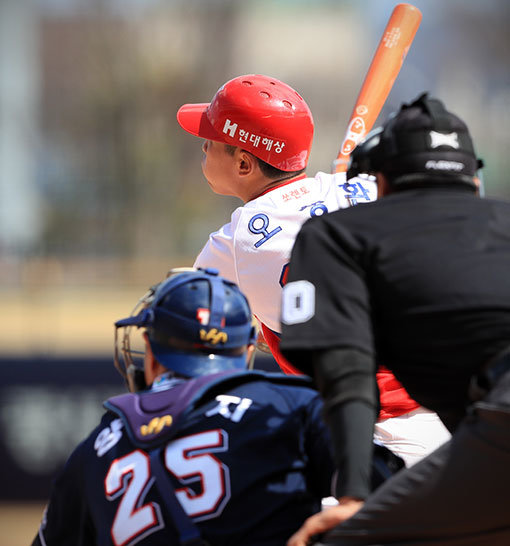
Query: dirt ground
19, 522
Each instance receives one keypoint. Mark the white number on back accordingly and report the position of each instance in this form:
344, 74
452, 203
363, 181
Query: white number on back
191, 461
130, 477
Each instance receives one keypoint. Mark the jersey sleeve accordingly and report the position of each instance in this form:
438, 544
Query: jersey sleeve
219, 253
66, 520
326, 302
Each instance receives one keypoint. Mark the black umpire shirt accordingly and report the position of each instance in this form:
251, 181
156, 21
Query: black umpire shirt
418, 281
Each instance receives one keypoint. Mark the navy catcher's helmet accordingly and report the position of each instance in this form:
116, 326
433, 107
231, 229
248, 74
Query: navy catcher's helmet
197, 323
421, 142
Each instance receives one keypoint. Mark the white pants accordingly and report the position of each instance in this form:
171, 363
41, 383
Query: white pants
413, 435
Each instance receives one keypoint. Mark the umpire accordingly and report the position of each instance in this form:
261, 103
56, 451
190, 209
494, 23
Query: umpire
420, 282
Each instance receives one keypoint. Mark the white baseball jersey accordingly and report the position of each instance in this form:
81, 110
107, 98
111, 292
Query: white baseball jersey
253, 250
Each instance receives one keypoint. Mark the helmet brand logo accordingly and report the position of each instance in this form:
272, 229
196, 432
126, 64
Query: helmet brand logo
444, 165
156, 425
252, 139
213, 336
442, 139
230, 128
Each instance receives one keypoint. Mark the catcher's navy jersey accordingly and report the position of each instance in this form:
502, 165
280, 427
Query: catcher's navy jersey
247, 454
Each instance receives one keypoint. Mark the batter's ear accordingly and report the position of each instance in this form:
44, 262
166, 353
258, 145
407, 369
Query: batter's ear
246, 163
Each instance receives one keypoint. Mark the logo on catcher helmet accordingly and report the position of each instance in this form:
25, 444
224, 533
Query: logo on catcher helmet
213, 336
156, 425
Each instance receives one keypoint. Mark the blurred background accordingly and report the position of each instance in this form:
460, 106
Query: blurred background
101, 192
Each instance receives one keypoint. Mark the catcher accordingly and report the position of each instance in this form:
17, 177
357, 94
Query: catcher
203, 450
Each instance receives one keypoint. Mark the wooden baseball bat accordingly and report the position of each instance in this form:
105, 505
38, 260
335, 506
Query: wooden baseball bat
382, 72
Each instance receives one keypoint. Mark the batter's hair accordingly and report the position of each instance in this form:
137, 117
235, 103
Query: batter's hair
267, 170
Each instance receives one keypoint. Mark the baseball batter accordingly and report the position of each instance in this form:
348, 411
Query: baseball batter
258, 135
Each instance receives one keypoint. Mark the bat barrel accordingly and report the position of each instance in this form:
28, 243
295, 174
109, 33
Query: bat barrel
382, 72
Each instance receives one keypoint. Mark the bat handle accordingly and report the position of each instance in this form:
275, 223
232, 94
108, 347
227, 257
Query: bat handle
340, 165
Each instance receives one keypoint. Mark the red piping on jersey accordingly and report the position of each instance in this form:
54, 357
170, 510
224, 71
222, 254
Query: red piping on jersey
300, 177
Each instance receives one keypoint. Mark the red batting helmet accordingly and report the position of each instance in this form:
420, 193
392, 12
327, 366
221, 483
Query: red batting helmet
260, 114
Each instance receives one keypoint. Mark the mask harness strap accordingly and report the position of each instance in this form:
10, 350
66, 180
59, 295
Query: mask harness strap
189, 535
